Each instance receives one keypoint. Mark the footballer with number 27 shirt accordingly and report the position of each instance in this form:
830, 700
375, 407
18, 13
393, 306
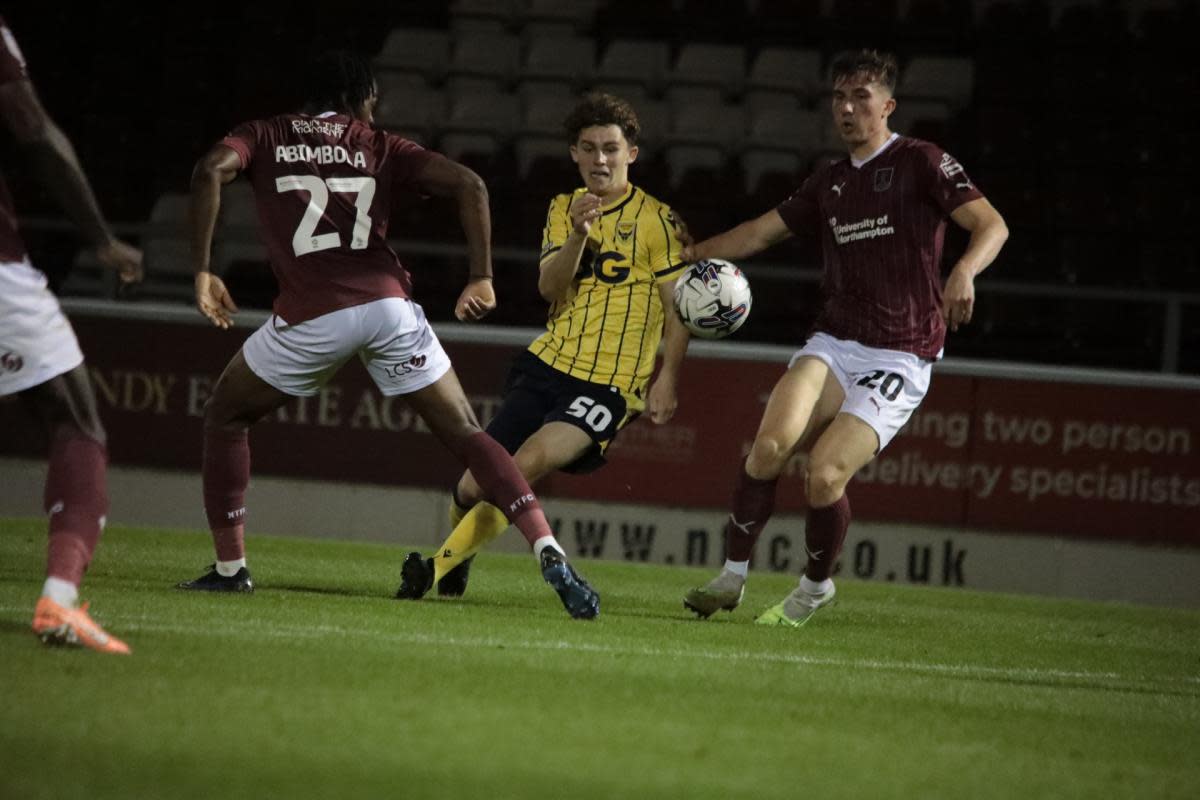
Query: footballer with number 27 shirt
324, 182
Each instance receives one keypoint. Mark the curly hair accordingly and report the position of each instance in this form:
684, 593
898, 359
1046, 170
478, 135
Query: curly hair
881, 67
339, 80
598, 108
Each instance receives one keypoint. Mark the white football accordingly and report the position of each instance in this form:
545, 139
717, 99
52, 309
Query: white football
712, 298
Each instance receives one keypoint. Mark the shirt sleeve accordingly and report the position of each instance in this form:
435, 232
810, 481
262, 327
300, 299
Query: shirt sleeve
554, 234
800, 212
664, 248
12, 63
408, 159
244, 140
947, 183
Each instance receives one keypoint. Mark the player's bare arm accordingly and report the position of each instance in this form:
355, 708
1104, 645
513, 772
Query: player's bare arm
988, 234
54, 161
442, 177
557, 271
752, 236
217, 167
663, 399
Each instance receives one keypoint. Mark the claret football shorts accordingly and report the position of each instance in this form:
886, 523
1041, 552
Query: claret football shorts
391, 336
36, 340
883, 387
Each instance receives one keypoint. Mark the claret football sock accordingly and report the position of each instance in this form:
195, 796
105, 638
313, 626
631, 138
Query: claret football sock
505, 486
753, 503
226, 471
824, 533
76, 499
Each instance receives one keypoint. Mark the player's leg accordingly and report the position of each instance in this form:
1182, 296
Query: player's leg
43, 365
444, 407
551, 447
473, 523
76, 498
802, 403
846, 446
239, 399
882, 389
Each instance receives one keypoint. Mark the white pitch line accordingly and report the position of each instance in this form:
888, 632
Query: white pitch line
251, 629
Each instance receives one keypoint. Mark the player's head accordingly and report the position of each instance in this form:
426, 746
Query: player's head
863, 84
602, 131
341, 81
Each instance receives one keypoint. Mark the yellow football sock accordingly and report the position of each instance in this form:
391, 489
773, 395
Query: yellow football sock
457, 513
479, 526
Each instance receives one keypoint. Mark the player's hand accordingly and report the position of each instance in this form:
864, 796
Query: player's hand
688, 252
122, 258
662, 400
477, 300
584, 210
213, 300
958, 298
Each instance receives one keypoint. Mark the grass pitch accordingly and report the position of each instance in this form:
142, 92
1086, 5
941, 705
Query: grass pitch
321, 685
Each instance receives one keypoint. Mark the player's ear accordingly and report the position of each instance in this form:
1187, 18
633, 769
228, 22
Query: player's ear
633, 153
889, 106
574, 153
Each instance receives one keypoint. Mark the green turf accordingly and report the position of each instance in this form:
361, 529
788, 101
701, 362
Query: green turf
320, 685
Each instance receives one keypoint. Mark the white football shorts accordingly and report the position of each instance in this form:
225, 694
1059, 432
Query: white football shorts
883, 387
391, 336
36, 340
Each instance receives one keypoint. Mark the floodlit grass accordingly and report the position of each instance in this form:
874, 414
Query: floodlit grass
321, 685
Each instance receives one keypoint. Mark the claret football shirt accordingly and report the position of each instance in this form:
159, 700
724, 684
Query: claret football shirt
882, 224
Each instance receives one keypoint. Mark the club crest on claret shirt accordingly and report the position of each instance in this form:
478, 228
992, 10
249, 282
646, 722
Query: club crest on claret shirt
883, 178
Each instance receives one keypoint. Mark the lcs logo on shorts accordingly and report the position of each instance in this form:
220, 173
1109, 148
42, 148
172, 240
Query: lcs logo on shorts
11, 362
412, 365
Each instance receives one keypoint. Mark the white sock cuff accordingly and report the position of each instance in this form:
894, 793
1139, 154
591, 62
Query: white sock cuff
738, 567
815, 587
228, 569
62, 592
544, 542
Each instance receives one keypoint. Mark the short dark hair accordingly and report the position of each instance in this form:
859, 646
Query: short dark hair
599, 108
881, 67
339, 80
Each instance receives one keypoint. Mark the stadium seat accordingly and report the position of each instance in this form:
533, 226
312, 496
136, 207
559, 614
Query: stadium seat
543, 115
722, 66
489, 113
487, 60
571, 59
411, 110
790, 129
482, 16
770, 174
721, 126
944, 78
909, 113
556, 17
789, 70
420, 50
634, 61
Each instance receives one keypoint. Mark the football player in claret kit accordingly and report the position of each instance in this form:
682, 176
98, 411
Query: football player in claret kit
609, 261
324, 182
40, 359
880, 215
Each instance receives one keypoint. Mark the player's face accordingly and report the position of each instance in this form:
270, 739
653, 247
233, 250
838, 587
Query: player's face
603, 155
861, 108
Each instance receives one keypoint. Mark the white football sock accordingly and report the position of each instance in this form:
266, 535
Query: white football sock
815, 587
738, 567
62, 592
544, 542
227, 569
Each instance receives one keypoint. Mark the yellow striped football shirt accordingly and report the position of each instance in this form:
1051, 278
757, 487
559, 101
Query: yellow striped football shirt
607, 329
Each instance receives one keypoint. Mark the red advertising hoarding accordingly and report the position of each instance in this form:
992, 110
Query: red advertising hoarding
1054, 456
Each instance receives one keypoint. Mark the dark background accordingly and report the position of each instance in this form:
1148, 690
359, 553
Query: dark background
1078, 132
